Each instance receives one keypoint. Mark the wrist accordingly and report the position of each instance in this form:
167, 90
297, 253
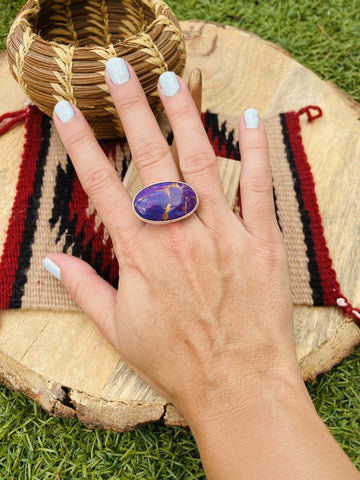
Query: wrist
267, 428
235, 401
234, 431
234, 385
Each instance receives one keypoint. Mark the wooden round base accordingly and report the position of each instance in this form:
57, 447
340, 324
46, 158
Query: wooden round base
61, 360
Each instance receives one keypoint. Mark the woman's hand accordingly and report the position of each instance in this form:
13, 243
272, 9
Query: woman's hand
203, 309
199, 297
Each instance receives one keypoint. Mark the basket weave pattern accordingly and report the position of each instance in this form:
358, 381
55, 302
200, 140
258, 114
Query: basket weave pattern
58, 49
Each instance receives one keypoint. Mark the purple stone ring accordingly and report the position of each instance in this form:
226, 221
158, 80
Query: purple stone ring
165, 202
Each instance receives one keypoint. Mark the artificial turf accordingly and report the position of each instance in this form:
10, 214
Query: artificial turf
322, 35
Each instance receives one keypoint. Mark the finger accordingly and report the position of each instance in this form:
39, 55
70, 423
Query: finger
197, 159
97, 176
256, 188
150, 151
91, 293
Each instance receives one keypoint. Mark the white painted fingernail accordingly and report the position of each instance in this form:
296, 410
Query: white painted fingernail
64, 111
52, 268
251, 118
117, 70
169, 83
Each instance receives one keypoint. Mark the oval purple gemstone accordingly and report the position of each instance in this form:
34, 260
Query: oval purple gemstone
165, 202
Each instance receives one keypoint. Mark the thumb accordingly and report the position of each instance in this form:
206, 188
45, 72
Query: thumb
92, 294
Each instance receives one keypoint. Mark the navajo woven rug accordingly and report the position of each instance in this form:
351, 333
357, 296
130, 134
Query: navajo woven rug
52, 213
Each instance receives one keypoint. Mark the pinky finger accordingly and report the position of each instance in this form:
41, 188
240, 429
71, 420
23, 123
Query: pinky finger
92, 294
256, 188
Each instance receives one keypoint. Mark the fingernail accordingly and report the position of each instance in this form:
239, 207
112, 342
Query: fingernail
117, 70
169, 83
251, 118
52, 268
64, 111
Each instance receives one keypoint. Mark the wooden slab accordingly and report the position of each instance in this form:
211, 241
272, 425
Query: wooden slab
61, 360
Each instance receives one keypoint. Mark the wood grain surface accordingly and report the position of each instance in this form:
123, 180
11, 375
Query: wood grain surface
62, 361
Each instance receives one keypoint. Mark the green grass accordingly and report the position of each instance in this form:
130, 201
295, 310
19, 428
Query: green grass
322, 35
34, 445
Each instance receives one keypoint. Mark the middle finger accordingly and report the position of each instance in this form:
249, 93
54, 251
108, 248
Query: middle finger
150, 151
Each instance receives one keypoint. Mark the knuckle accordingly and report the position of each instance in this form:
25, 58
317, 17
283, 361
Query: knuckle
129, 239
182, 111
76, 291
148, 154
259, 184
178, 242
77, 140
258, 211
271, 250
98, 180
131, 103
129, 247
198, 163
256, 146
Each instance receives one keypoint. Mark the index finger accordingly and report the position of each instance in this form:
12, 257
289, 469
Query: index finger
97, 176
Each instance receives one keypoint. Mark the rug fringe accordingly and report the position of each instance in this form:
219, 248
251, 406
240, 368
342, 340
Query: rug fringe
15, 118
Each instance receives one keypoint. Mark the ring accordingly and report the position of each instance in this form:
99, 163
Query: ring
165, 202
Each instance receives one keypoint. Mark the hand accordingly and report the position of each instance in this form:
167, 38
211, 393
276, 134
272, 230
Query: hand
197, 297
203, 309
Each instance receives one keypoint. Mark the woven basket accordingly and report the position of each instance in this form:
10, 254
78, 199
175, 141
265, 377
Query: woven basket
57, 50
